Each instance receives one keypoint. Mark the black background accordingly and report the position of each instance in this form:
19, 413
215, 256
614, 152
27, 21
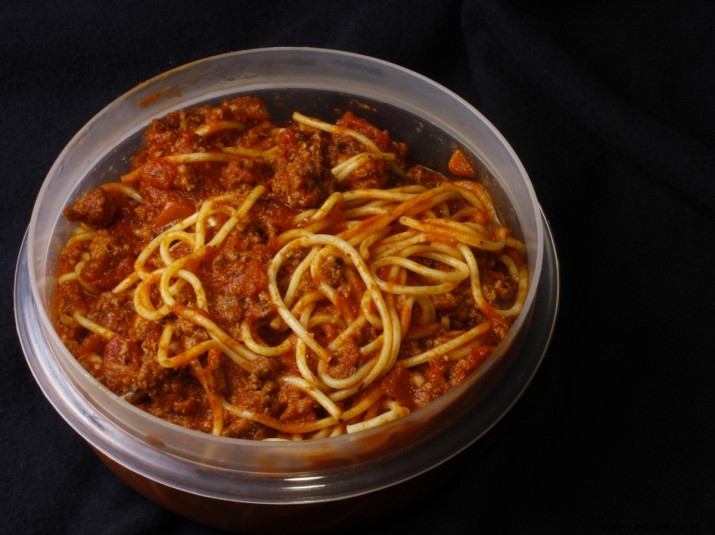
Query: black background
611, 108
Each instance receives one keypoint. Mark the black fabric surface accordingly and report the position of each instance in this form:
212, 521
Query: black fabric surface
611, 108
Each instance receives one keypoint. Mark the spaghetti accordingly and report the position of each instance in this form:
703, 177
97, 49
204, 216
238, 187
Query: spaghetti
291, 281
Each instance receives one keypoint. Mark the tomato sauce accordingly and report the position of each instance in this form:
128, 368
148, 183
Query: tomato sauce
172, 181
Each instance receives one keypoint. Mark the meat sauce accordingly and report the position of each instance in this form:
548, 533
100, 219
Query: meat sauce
296, 175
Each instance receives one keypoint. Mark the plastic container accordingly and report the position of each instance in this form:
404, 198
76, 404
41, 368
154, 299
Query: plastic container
262, 486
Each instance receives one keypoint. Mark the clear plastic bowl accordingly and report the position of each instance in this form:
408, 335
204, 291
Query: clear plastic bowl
264, 486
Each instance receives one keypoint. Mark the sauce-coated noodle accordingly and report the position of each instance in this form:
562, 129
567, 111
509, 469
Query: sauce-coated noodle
289, 281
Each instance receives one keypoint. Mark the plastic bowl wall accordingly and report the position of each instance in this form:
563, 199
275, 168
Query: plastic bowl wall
255, 486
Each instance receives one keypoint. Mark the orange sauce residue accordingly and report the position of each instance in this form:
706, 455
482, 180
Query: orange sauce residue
146, 101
